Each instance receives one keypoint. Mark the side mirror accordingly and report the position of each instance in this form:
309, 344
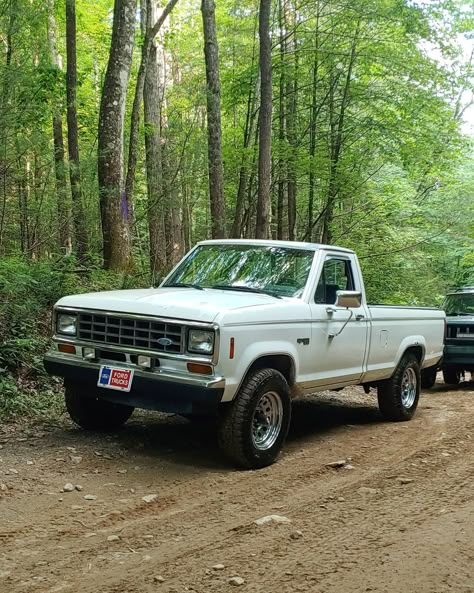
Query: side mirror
350, 299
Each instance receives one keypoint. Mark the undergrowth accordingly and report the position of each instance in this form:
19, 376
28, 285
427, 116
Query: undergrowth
28, 291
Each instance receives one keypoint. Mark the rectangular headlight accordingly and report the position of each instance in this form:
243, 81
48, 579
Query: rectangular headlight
66, 324
200, 341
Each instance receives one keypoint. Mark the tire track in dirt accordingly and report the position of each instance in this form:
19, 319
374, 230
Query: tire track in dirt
333, 529
206, 517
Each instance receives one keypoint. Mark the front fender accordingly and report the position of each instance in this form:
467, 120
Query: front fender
236, 370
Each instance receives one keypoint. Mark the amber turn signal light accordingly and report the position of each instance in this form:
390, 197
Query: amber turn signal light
67, 348
201, 369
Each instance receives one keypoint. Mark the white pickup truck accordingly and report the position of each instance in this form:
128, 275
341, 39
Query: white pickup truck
238, 329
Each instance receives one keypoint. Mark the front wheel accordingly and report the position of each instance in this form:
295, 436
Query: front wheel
253, 428
95, 414
398, 397
451, 376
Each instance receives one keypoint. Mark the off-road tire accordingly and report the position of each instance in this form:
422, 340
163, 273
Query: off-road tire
95, 414
451, 376
236, 420
390, 392
428, 377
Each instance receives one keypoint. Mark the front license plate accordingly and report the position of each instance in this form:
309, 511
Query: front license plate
111, 378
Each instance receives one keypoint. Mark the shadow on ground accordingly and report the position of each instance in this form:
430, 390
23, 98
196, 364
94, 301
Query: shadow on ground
154, 438
317, 415
443, 388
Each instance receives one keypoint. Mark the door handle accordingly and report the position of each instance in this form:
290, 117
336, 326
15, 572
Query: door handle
360, 317
331, 310
333, 335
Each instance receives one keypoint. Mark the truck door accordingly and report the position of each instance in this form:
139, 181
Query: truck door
341, 358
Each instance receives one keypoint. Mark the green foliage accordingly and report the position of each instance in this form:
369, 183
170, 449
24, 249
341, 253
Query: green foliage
28, 292
19, 400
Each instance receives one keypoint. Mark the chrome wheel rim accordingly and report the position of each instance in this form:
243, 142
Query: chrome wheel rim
409, 385
267, 421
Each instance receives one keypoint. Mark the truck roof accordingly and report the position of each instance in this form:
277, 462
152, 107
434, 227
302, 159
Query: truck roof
274, 243
461, 290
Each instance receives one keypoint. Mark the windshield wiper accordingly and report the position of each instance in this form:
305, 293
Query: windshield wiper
183, 285
246, 289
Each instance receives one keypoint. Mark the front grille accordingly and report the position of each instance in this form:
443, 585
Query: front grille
452, 330
462, 332
137, 333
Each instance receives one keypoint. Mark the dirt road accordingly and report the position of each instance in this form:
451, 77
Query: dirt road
399, 518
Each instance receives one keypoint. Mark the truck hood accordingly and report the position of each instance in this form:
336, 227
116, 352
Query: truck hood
177, 303
460, 319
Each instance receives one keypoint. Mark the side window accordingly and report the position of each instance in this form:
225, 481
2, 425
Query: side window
336, 275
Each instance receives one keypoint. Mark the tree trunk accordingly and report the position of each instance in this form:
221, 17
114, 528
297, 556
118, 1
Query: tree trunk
64, 209
114, 210
336, 135
216, 170
315, 109
80, 229
171, 198
37, 195
265, 123
24, 219
172, 206
148, 40
249, 132
248, 221
186, 226
23, 188
291, 93
312, 147
282, 172
8, 44
154, 154
334, 152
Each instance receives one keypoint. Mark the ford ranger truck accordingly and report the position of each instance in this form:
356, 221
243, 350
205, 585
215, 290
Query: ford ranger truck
237, 330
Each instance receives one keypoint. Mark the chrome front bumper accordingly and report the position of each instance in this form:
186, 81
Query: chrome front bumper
160, 389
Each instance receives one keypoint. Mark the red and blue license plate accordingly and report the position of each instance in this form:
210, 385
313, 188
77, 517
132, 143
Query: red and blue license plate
112, 378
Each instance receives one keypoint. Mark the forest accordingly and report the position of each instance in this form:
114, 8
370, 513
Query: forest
130, 130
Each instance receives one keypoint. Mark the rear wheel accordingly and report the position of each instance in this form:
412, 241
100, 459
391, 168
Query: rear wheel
95, 414
451, 376
398, 397
428, 377
253, 428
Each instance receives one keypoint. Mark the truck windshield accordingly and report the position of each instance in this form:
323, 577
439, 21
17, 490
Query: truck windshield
459, 304
278, 271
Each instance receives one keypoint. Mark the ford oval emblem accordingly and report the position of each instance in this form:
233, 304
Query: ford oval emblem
165, 342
